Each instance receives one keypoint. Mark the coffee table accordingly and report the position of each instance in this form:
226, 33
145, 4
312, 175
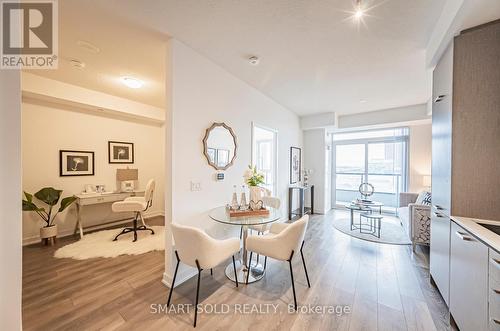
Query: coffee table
358, 208
373, 226
370, 204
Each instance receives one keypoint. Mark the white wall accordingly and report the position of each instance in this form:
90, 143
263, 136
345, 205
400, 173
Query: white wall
10, 202
203, 93
316, 158
420, 153
48, 128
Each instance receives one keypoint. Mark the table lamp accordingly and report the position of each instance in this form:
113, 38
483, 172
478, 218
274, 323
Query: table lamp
127, 178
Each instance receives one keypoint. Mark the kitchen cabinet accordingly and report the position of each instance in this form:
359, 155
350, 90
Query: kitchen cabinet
441, 173
468, 280
494, 291
465, 136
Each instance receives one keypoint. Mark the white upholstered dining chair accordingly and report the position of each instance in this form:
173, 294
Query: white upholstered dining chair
138, 205
197, 249
268, 201
282, 243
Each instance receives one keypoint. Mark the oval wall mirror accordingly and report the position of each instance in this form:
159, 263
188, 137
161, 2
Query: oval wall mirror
219, 146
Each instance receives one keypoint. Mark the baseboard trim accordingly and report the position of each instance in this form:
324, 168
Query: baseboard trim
182, 276
36, 239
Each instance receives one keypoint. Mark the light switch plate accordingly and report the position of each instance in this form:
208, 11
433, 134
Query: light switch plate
195, 186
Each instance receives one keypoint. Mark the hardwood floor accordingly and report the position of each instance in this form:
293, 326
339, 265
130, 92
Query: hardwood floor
386, 287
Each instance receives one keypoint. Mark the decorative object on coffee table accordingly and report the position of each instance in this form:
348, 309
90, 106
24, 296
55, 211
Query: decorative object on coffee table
366, 190
50, 196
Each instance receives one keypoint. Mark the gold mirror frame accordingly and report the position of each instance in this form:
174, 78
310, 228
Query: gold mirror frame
207, 134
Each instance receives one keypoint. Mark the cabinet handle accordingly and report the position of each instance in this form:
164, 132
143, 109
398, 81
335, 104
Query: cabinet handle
439, 215
463, 236
440, 98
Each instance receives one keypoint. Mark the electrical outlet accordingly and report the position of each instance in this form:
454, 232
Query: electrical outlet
195, 186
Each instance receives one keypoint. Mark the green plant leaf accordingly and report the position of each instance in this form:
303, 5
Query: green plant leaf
29, 197
29, 206
66, 202
49, 195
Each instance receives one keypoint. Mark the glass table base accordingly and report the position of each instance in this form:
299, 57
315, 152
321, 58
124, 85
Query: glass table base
256, 272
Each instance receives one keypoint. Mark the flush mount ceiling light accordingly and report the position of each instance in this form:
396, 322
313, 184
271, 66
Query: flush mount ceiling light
362, 101
77, 64
132, 82
91, 48
358, 10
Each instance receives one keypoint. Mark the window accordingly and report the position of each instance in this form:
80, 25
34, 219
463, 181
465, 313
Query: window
264, 155
377, 157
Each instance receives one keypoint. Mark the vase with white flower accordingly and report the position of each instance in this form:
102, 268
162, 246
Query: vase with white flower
253, 179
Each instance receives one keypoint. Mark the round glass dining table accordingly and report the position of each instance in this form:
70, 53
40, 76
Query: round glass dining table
221, 215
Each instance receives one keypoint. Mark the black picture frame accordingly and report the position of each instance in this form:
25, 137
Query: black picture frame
88, 163
295, 156
130, 153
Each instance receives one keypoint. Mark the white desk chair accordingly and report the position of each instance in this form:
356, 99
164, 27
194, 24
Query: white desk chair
138, 205
197, 249
283, 241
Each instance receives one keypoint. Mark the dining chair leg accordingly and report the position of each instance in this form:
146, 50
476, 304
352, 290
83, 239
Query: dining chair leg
197, 293
211, 272
249, 266
173, 279
293, 284
304, 263
235, 273
241, 232
265, 262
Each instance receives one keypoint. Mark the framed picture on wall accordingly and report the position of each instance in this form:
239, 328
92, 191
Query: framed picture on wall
120, 152
295, 165
76, 163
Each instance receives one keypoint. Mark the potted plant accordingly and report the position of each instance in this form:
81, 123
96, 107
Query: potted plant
50, 196
254, 178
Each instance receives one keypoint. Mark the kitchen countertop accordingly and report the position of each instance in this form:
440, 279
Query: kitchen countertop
490, 238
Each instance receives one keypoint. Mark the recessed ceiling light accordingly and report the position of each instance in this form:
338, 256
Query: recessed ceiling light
91, 48
132, 82
362, 101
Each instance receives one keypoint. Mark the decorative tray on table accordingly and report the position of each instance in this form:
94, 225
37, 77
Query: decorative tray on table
248, 212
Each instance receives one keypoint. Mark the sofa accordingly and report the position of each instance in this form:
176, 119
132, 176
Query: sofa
414, 213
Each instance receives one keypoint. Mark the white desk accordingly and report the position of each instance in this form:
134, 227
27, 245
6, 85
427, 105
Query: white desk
98, 198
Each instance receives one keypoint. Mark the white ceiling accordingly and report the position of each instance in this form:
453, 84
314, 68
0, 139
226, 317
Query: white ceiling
313, 58
126, 49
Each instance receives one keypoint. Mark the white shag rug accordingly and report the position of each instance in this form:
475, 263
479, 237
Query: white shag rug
101, 244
